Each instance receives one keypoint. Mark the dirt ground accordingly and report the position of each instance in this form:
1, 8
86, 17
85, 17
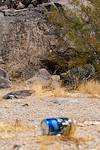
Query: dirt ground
20, 120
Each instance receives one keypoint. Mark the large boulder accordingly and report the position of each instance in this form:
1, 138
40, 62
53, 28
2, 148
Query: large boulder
42, 78
24, 40
18, 94
55, 82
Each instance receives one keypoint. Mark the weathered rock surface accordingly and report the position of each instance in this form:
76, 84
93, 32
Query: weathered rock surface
3, 73
24, 39
4, 79
55, 34
19, 4
4, 83
41, 78
43, 73
44, 79
55, 82
18, 94
1, 60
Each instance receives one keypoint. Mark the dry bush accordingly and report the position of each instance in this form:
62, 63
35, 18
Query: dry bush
91, 87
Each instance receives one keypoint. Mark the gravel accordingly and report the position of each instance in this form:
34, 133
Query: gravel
31, 110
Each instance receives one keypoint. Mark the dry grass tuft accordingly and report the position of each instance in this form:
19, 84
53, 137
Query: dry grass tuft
57, 91
72, 137
90, 87
78, 140
68, 133
69, 138
9, 130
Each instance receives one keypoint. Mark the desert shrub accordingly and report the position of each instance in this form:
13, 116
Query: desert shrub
82, 29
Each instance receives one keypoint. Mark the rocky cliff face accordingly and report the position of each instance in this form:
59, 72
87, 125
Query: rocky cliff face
60, 35
25, 38
77, 52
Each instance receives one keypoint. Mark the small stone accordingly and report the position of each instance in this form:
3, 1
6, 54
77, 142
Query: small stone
30, 6
55, 77
4, 83
20, 6
16, 147
25, 105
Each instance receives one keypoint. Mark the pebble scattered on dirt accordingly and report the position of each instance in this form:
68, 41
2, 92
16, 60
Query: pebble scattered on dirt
20, 119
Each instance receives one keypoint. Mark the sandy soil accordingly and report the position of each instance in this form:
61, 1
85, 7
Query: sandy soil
20, 120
